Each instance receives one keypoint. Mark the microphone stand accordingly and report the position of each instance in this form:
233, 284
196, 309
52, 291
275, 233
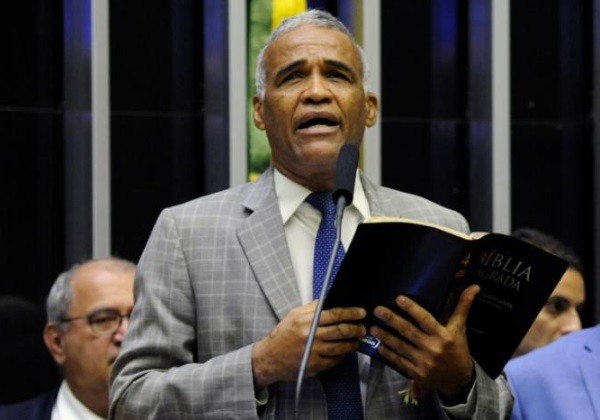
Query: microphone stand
340, 206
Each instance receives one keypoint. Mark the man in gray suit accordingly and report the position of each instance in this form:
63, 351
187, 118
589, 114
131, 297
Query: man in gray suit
224, 286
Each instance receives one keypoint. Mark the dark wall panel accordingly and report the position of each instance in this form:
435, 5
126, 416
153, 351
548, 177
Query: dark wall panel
551, 82
31, 159
424, 96
550, 55
553, 188
152, 168
406, 59
426, 158
157, 114
31, 226
31, 175
31, 41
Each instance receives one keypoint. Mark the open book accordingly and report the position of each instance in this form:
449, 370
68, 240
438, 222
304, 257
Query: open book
432, 264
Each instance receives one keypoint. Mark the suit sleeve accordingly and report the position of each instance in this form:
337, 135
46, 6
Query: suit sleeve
156, 374
488, 399
494, 399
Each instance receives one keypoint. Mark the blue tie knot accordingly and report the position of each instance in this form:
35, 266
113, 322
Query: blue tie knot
322, 201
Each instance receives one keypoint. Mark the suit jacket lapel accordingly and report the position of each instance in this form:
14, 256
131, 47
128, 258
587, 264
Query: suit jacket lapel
263, 240
589, 364
373, 196
379, 203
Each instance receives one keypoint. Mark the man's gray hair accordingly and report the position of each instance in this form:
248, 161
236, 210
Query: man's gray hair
60, 296
313, 17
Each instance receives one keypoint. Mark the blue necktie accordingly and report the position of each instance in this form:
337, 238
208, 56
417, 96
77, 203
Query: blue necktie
340, 383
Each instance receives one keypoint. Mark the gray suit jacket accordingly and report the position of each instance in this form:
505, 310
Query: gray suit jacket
215, 277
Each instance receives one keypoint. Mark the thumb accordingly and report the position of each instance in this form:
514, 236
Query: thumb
459, 316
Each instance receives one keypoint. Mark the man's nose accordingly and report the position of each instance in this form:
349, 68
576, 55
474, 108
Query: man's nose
317, 89
120, 333
572, 322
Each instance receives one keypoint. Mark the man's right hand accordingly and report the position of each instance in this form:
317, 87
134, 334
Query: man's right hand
277, 357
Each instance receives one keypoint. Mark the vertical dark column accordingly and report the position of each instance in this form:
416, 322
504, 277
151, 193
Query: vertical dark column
552, 148
480, 111
31, 190
347, 12
77, 130
424, 96
448, 100
183, 99
157, 114
31, 222
216, 96
595, 225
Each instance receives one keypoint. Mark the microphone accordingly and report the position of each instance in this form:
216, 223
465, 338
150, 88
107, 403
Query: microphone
343, 194
345, 174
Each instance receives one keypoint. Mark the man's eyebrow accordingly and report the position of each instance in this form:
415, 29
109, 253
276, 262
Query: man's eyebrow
104, 309
341, 65
293, 65
330, 62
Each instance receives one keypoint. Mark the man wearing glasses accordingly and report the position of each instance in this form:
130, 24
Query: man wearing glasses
88, 309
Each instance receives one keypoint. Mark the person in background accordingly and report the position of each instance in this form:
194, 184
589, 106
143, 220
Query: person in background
87, 309
561, 314
560, 381
224, 288
27, 368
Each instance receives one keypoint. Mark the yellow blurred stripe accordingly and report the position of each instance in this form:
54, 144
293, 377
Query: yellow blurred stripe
285, 8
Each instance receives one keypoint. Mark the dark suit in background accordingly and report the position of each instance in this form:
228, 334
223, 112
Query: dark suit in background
39, 408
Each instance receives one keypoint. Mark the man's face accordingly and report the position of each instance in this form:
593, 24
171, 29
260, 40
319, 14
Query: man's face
87, 358
314, 102
560, 314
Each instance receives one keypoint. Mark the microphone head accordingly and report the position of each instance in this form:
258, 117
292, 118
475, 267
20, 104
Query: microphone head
345, 173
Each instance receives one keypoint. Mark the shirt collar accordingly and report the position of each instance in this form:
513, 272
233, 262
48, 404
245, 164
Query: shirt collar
70, 407
291, 195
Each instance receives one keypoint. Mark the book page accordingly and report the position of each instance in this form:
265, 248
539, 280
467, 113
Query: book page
388, 219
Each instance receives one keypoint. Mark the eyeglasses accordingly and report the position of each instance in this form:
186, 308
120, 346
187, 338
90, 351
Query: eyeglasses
102, 321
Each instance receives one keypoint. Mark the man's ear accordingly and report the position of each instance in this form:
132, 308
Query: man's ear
372, 105
54, 339
257, 114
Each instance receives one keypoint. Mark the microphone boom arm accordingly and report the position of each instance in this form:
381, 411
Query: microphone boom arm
340, 206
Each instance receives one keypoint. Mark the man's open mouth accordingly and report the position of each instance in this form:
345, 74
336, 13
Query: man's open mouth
318, 121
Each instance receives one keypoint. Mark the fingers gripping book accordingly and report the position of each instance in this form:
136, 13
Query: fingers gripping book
433, 264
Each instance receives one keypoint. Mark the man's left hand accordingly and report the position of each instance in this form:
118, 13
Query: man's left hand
435, 355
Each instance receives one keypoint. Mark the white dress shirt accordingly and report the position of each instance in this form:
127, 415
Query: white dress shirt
68, 407
301, 222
